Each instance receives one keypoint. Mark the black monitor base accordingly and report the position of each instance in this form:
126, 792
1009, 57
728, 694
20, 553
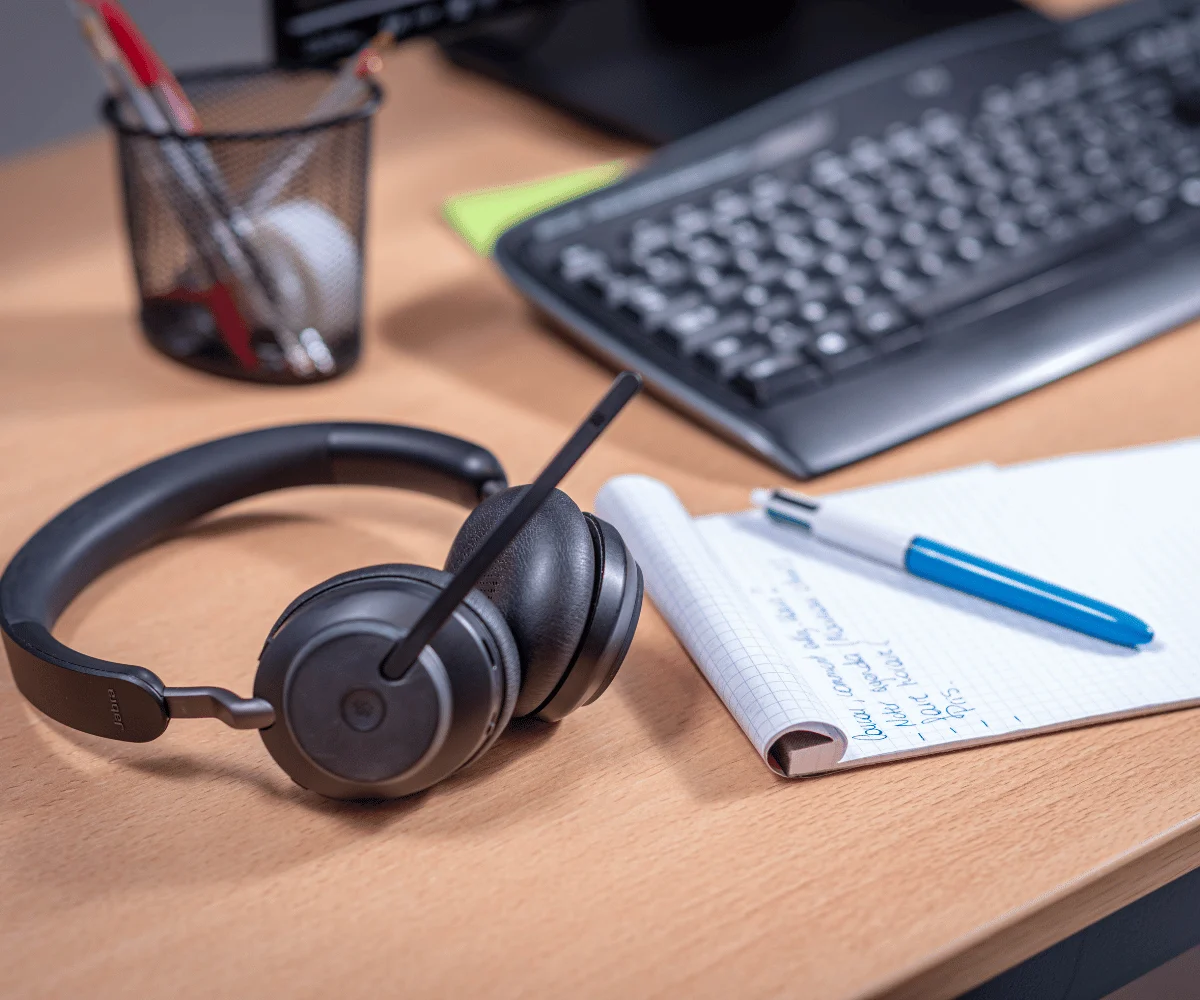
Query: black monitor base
626, 66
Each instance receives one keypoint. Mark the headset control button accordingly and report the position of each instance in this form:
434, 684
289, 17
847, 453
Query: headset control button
363, 710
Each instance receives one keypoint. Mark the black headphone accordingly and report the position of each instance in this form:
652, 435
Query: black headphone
379, 682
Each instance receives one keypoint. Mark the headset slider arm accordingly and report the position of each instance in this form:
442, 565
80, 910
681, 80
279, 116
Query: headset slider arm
217, 703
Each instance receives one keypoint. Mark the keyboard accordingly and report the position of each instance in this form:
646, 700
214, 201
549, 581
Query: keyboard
900, 243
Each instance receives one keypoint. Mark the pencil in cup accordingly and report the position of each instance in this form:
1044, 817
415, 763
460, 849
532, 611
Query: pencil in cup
304, 252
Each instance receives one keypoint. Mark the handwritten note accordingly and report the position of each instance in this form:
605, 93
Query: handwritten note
884, 698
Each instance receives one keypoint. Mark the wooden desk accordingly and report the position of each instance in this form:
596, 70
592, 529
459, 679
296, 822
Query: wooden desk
638, 849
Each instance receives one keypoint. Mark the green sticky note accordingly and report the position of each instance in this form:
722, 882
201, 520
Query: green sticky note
480, 217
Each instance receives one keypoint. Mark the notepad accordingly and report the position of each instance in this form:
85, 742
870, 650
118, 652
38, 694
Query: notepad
829, 661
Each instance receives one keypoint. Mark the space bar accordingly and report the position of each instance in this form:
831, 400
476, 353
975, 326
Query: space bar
998, 277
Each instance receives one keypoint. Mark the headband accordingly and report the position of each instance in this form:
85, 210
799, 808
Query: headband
142, 507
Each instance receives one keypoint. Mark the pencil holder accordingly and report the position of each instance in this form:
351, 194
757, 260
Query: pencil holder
247, 237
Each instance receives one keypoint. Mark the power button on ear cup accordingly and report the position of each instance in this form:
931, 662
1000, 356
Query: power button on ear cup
363, 710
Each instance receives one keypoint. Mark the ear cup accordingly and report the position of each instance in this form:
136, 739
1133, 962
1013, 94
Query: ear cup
510, 661
542, 584
343, 729
612, 621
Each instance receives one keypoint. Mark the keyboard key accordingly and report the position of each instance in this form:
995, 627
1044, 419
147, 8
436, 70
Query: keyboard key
769, 271
746, 235
837, 352
644, 299
798, 249
692, 321
835, 264
726, 356
999, 101
578, 262
816, 290
730, 205
969, 249
829, 170
779, 307
648, 239
803, 196
599, 282
1006, 233
814, 311
665, 269
1150, 210
747, 261
656, 310
691, 330
853, 295
767, 212
913, 234
614, 286
766, 187
867, 154
789, 336
756, 296
777, 376
788, 222
931, 263
949, 218
827, 230
795, 279
894, 279
874, 248
878, 318
691, 220
705, 250
728, 290
840, 323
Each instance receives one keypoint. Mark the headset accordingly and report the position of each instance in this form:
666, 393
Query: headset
379, 682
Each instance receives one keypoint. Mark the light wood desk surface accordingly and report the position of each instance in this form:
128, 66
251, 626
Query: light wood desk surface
638, 849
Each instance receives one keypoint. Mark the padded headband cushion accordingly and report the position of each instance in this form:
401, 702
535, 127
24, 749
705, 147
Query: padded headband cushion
542, 584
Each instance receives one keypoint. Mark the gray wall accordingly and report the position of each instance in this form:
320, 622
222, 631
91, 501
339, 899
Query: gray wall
49, 87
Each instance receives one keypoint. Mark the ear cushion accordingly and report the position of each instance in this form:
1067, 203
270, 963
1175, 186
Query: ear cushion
488, 613
542, 584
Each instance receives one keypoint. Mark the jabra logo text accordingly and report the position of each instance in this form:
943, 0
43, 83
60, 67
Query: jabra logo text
115, 708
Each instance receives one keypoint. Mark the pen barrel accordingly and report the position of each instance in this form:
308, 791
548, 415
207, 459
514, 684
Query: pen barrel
341, 97
266, 290
1009, 588
878, 542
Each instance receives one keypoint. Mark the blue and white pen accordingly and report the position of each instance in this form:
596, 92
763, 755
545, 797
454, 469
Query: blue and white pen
953, 568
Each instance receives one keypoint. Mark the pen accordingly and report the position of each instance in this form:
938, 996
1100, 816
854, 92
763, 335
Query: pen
200, 215
147, 66
953, 568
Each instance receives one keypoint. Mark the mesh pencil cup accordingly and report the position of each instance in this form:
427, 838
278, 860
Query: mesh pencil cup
247, 238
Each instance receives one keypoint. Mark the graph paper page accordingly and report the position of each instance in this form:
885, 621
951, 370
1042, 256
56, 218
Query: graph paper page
748, 671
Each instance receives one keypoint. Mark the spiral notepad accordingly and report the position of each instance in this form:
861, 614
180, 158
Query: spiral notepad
829, 661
